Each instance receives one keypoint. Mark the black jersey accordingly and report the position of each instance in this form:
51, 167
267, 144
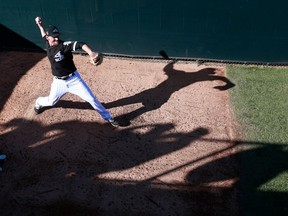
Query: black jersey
61, 57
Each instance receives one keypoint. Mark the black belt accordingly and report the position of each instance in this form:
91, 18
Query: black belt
65, 77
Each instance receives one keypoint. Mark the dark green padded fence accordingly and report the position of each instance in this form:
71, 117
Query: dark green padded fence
242, 30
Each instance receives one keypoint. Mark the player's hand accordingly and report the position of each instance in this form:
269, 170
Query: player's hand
38, 20
96, 58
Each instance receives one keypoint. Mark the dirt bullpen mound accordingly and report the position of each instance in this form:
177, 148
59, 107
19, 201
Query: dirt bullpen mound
171, 156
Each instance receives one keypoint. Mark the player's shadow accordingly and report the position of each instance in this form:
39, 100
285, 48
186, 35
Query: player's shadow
154, 98
69, 104
72, 105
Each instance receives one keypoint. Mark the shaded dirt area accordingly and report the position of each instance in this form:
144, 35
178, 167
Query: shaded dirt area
172, 156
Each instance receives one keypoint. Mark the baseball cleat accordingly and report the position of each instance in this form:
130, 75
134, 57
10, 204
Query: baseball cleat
113, 122
37, 110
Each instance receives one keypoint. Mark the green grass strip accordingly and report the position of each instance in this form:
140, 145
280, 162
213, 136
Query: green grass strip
260, 104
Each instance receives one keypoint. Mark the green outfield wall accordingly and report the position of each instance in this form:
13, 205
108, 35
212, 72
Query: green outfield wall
229, 30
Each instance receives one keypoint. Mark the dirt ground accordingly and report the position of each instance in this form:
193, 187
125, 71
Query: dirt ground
171, 155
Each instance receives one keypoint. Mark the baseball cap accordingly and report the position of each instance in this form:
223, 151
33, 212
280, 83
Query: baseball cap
52, 31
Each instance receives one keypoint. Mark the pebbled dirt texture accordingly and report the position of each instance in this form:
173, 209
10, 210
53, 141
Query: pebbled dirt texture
172, 155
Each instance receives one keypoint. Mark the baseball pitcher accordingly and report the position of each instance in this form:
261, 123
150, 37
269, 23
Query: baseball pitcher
66, 78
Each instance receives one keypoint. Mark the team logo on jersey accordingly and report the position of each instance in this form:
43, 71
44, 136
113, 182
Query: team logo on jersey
59, 57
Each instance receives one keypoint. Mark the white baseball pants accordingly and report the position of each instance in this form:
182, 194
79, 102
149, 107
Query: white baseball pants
75, 85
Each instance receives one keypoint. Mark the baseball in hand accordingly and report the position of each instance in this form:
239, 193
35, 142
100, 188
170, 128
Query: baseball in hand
37, 20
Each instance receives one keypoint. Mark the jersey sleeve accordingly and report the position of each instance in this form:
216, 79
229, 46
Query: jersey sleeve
69, 46
72, 45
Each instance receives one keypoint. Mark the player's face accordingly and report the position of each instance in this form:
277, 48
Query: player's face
53, 41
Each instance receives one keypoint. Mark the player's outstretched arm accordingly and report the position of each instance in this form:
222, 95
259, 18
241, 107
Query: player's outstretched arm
38, 21
87, 49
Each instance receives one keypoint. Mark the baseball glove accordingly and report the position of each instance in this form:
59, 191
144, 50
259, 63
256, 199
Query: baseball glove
96, 61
